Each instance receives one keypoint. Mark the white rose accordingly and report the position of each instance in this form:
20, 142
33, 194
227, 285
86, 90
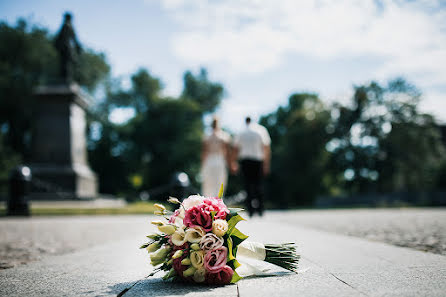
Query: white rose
197, 259
194, 235
192, 201
211, 242
199, 275
219, 227
179, 237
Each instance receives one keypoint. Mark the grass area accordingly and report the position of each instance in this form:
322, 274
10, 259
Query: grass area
131, 208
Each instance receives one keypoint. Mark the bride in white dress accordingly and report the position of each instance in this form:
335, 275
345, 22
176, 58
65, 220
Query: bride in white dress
215, 160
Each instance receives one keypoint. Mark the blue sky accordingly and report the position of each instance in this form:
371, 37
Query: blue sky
262, 51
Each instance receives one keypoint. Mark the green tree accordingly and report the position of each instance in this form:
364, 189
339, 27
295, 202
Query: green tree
205, 93
162, 138
298, 134
381, 142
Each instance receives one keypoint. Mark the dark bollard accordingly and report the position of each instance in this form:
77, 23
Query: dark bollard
179, 185
19, 187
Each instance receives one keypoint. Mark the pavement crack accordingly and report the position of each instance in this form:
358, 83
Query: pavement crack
127, 289
344, 282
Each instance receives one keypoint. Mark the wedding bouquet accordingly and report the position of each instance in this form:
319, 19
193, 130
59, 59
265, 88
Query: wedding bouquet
200, 243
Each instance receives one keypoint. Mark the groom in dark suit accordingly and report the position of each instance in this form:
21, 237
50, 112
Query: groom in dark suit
252, 150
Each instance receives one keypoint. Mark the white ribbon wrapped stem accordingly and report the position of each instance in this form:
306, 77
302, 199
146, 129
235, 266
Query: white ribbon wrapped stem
252, 250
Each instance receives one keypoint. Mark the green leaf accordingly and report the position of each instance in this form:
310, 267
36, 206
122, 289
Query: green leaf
235, 210
230, 249
144, 245
213, 213
237, 237
220, 193
235, 277
234, 264
232, 222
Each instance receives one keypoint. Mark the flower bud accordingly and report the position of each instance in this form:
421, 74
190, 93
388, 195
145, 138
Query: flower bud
195, 246
189, 272
173, 200
186, 261
160, 255
160, 207
155, 262
157, 223
153, 247
168, 229
170, 274
153, 236
177, 254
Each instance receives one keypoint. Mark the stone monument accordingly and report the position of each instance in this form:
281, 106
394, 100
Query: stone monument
59, 156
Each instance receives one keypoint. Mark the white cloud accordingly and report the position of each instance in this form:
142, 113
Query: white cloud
434, 103
249, 36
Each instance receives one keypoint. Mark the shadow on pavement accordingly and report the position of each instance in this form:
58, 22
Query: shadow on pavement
158, 287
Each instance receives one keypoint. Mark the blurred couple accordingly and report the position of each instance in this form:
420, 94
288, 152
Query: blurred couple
249, 154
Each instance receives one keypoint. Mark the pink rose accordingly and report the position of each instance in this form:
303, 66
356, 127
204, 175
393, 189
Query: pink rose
199, 215
223, 277
211, 242
216, 204
215, 260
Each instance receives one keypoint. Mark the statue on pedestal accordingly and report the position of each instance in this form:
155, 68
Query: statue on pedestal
68, 47
59, 144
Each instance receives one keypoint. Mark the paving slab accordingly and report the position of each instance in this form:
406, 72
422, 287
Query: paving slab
338, 265
332, 265
104, 270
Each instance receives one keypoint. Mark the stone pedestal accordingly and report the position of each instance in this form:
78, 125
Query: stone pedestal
59, 155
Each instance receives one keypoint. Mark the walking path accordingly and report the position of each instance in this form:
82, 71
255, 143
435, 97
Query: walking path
332, 265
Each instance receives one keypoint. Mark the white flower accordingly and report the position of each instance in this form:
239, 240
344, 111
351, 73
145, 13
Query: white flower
210, 242
219, 227
194, 234
181, 214
179, 237
178, 221
197, 259
199, 275
192, 201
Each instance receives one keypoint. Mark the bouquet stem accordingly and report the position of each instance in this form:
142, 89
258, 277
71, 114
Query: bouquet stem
283, 255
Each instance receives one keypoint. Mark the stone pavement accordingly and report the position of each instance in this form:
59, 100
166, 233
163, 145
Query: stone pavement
332, 264
419, 228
